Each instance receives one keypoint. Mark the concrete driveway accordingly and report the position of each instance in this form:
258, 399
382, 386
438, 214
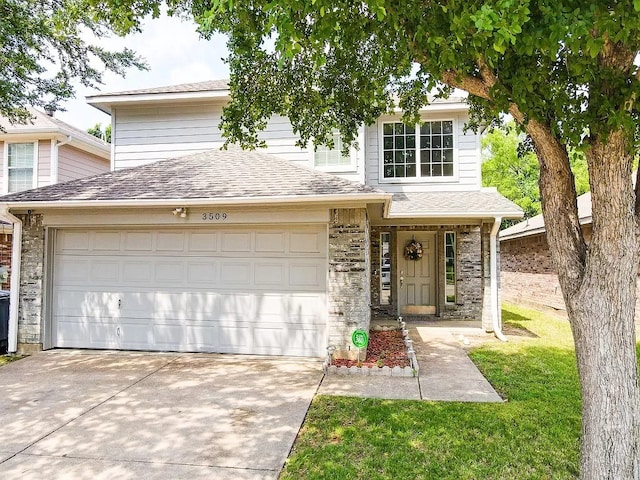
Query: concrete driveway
103, 415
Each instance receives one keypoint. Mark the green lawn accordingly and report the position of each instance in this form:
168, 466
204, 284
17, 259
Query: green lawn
4, 359
534, 435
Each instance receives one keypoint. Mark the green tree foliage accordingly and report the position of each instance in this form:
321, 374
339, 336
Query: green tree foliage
43, 49
513, 169
102, 133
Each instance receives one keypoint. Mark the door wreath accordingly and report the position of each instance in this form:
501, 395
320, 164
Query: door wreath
413, 250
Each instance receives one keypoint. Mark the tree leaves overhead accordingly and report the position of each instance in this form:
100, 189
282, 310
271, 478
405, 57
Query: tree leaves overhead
43, 49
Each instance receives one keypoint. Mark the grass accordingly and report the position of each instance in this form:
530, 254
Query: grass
534, 435
4, 359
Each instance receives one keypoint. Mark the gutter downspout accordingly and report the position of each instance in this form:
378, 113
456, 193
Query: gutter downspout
55, 159
495, 308
16, 247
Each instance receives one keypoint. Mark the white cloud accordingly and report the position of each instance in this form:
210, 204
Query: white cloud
174, 52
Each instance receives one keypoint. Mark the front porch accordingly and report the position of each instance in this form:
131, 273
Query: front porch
449, 279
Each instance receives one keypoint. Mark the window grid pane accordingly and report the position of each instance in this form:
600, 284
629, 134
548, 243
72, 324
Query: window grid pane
331, 157
450, 266
398, 150
436, 149
20, 166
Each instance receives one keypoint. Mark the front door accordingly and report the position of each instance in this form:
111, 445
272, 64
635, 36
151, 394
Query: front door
416, 280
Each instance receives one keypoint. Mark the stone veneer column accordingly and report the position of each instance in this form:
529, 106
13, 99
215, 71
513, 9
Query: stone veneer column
349, 295
31, 286
469, 291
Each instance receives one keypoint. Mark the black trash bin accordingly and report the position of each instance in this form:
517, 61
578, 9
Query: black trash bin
4, 321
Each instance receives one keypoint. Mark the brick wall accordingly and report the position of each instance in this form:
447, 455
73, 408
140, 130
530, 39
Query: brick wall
469, 270
528, 275
526, 255
348, 290
31, 286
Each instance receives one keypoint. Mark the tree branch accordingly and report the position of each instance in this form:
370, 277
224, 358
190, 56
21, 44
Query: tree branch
557, 190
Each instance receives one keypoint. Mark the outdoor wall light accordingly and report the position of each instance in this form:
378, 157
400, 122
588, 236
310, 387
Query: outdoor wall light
182, 211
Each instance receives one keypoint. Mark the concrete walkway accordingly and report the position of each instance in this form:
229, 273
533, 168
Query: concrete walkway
446, 372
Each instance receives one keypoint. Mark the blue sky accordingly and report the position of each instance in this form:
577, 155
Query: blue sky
175, 54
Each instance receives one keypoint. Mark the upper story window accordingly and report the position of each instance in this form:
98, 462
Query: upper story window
20, 161
333, 159
417, 151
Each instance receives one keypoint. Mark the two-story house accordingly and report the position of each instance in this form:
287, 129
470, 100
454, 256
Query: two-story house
285, 251
43, 152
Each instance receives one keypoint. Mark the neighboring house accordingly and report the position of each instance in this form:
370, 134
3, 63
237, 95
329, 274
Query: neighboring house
527, 272
44, 152
284, 251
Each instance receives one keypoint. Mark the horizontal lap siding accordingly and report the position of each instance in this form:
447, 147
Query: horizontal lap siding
74, 163
44, 163
148, 134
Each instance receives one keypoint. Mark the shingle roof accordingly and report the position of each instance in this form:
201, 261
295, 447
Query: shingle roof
485, 202
214, 174
41, 122
534, 225
209, 85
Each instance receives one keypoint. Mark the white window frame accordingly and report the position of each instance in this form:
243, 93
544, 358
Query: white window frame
450, 179
455, 265
5, 172
353, 156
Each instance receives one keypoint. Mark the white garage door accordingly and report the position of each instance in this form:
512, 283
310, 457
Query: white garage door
240, 290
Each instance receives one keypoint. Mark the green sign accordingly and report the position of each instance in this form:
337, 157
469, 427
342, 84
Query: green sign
360, 338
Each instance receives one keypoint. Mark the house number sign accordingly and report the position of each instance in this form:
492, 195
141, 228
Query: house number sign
214, 216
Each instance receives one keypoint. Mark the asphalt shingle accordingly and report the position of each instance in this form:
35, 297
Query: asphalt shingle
209, 85
214, 174
473, 203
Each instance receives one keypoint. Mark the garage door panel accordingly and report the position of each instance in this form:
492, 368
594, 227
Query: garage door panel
168, 272
269, 274
136, 304
76, 332
307, 242
170, 242
202, 273
235, 273
106, 241
270, 242
203, 242
105, 271
236, 242
72, 241
235, 338
73, 270
258, 291
138, 241
192, 338
137, 272
306, 275
86, 304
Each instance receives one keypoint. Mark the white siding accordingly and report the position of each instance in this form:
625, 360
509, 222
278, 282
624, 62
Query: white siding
466, 151
74, 163
148, 134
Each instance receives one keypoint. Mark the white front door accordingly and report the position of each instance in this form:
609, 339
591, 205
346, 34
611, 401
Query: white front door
417, 278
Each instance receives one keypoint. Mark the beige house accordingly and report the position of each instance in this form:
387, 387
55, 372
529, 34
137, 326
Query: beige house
284, 251
44, 152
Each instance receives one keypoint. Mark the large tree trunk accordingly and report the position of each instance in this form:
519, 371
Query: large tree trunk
599, 288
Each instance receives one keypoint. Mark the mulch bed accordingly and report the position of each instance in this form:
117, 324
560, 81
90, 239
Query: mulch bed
384, 349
